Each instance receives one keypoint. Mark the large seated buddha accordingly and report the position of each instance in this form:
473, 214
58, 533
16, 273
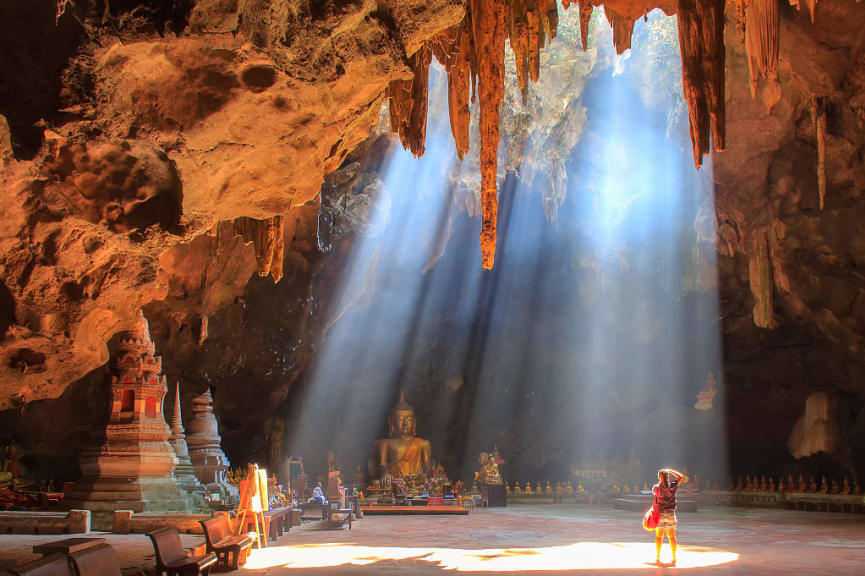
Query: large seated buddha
402, 453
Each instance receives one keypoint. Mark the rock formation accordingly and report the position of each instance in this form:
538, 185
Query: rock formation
129, 140
132, 467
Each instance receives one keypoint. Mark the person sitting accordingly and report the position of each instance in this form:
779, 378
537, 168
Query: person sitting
318, 495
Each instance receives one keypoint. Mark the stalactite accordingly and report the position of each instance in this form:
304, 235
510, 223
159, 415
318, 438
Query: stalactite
818, 115
701, 43
623, 29
266, 236
408, 103
811, 5
760, 280
762, 29
453, 48
586, 9
488, 20
531, 24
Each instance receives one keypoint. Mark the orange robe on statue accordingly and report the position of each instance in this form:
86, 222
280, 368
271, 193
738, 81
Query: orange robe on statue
409, 462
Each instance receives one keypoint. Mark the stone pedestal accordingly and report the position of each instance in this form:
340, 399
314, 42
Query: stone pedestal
131, 466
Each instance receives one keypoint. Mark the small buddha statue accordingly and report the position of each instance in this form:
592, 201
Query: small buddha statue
402, 453
845, 489
538, 489
812, 486
739, 485
569, 488
528, 487
580, 488
824, 486
790, 485
801, 486
771, 487
857, 490
559, 488
836, 488
749, 485
488, 470
508, 489
517, 489
548, 489
763, 485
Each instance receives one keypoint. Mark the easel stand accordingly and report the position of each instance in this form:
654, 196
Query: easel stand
253, 501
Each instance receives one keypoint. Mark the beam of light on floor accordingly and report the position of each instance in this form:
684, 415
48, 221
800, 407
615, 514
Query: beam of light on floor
576, 556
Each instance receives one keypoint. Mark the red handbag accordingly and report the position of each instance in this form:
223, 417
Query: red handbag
652, 516
650, 519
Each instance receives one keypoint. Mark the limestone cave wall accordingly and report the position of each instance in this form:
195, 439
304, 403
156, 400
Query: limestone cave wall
162, 154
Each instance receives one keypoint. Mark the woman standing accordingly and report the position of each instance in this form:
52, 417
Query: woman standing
669, 481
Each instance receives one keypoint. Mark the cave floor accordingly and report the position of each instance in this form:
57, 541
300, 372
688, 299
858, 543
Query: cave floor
545, 538
573, 539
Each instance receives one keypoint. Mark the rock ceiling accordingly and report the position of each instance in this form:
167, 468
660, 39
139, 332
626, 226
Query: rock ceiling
148, 126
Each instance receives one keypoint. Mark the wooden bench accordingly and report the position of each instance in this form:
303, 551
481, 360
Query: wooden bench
171, 558
52, 565
99, 560
230, 550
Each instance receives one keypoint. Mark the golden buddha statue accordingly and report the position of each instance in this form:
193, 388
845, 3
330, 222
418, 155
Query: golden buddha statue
488, 470
401, 453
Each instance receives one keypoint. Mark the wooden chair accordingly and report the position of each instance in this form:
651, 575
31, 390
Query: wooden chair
171, 558
99, 560
230, 550
51, 565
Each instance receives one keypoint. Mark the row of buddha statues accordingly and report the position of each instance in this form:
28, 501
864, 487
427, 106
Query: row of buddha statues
798, 486
565, 488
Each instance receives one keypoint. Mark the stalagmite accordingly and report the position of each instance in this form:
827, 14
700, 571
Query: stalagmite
701, 42
488, 21
408, 103
266, 235
762, 29
818, 114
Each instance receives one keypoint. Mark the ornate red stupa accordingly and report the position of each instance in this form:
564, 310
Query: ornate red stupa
132, 466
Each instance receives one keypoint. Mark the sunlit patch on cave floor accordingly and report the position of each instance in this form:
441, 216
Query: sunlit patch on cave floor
576, 556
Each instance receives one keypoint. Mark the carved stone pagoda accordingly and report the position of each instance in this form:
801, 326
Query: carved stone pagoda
131, 466
183, 471
205, 449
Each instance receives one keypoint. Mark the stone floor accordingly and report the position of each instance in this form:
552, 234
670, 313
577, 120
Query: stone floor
134, 551
555, 540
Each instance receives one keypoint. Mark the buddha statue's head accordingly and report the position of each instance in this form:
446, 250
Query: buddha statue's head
401, 422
